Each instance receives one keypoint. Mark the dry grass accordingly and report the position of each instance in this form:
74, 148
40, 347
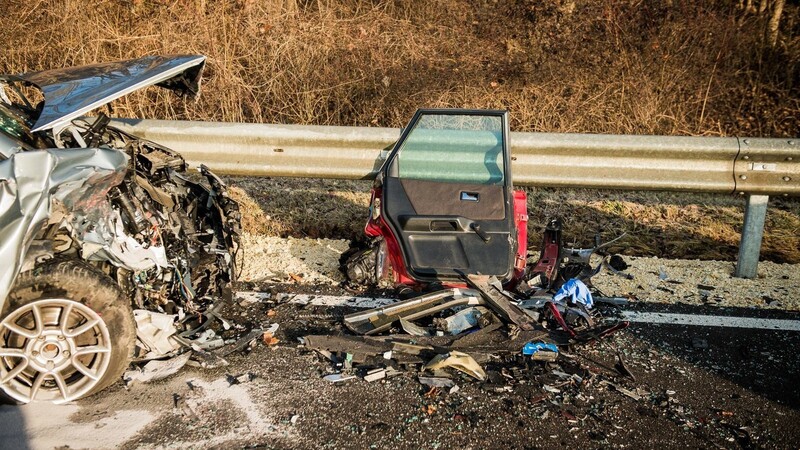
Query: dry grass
609, 66
606, 66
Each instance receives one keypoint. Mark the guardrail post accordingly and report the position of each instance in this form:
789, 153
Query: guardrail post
755, 212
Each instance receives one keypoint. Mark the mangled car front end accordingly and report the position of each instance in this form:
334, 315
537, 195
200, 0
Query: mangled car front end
97, 223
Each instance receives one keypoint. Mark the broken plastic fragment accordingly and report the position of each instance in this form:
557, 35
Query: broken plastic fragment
337, 377
154, 332
157, 369
576, 291
459, 361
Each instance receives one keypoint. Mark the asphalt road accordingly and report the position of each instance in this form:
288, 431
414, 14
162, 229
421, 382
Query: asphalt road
692, 386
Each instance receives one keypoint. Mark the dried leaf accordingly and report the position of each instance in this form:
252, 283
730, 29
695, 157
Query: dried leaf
269, 339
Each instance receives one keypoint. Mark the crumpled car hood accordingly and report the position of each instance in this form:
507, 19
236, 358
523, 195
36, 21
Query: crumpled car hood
74, 91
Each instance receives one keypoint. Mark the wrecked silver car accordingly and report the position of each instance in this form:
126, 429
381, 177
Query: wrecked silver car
111, 250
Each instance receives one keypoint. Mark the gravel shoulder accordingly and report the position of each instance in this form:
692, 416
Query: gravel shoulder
710, 283
695, 386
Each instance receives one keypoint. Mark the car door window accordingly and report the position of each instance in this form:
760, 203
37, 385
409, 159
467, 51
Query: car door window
454, 149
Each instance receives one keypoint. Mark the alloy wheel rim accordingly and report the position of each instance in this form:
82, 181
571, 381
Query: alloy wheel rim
52, 350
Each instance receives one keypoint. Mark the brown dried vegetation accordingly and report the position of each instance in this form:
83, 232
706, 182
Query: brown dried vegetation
674, 67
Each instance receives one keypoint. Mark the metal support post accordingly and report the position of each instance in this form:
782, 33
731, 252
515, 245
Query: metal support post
753, 230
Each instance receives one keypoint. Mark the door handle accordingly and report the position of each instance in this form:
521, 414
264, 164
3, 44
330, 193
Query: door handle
469, 196
444, 225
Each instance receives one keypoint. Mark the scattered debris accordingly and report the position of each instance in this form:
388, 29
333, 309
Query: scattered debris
268, 335
479, 302
493, 292
154, 333
540, 351
245, 342
414, 329
622, 367
240, 379
461, 321
439, 382
206, 360
576, 291
381, 319
634, 395
459, 361
337, 377
375, 375
269, 339
157, 369
551, 389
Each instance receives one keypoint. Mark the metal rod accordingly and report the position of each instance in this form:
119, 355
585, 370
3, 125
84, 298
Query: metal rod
753, 230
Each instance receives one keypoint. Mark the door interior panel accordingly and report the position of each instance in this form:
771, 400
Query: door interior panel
437, 252
450, 204
438, 246
476, 201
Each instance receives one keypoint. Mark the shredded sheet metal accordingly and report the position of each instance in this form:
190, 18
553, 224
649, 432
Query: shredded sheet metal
154, 332
106, 240
30, 181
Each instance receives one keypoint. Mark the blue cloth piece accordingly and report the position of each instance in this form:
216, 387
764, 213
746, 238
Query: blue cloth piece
576, 291
533, 347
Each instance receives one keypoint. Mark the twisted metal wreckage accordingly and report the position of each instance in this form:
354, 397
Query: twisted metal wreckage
114, 253
95, 222
446, 221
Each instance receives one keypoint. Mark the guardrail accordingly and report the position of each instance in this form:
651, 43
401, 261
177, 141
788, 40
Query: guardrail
756, 167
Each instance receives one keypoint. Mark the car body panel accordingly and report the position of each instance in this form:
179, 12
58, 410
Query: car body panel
30, 181
72, 92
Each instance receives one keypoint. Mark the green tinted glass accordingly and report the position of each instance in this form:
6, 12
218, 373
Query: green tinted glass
454, 148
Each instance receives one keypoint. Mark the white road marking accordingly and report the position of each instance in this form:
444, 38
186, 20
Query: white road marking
712, 321
633, 316
318, 300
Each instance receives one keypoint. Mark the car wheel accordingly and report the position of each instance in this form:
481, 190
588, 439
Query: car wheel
67, 331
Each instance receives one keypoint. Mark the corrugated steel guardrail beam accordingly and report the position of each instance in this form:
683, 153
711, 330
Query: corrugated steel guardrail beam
624, 162
754, 166
669, 163
768, 166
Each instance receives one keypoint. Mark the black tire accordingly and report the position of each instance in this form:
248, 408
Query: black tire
78, 281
